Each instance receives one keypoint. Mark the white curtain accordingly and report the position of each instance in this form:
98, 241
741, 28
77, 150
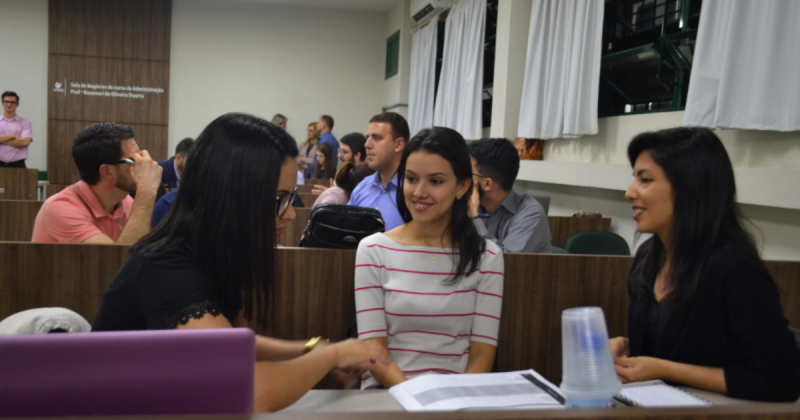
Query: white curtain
422, 77
746, 69
562, 70
458, 100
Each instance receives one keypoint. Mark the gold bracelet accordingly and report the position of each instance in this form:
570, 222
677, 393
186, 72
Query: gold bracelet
311, 344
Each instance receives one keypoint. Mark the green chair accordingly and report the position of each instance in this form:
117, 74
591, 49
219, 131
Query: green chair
597, 242
796, 333
557, 250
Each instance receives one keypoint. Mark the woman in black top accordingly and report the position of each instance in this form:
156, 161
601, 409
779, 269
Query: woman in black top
210, 264
704, 311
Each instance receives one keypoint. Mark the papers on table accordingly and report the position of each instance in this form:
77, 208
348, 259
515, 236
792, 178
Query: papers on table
524, 389
656, 393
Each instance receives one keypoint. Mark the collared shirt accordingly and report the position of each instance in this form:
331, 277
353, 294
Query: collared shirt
329, 139
75, 215
371, 193
16, 125
518, 225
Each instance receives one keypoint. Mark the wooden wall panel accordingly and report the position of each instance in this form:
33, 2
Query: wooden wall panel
137, 29
305, 188
17, 218
309, 199
538, 288
294, 228
108, 61
53, 189
18, 184
95, 90
35, 275
299, 307
314, 293
61, 166
787, 278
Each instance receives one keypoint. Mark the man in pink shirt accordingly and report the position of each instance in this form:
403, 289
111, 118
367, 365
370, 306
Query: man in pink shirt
98, 208
15, 134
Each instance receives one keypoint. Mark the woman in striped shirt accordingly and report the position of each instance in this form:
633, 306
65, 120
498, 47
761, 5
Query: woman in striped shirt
430, 290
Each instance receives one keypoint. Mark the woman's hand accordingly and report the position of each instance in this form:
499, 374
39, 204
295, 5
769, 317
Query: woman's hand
619, 347
360, 355
319, 189
474, 203
636, 369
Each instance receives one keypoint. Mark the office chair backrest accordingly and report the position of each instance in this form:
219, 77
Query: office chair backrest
207, 371
597, 242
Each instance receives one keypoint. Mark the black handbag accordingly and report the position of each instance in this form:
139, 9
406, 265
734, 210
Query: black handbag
340, 226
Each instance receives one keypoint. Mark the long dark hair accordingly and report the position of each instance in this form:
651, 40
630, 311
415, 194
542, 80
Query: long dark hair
451, 146
325, 170
705, 214
225, 209
350, 175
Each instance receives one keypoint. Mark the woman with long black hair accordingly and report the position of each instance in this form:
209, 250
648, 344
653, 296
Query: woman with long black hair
430, 290
211, 263
704, 311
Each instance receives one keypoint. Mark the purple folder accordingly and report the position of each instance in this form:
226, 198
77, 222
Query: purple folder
134, 372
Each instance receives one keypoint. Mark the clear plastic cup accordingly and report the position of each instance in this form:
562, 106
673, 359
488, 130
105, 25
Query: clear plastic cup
589, 378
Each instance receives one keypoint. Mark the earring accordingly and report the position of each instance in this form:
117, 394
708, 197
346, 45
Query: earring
458, 197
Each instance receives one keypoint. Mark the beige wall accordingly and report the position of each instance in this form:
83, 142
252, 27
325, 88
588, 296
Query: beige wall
265, 59
24, 67
395, 88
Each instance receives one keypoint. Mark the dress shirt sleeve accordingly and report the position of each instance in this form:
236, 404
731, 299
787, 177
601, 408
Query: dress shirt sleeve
26, 132
65, 222
528, 231
369, 292
489, 301
772, 360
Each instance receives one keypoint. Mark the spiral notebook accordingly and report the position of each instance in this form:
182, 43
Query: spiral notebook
656, 393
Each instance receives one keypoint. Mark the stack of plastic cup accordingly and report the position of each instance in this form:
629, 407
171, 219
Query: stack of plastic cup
589, 378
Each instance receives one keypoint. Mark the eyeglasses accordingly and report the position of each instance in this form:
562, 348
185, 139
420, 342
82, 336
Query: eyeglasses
283, 201
10, 103
124, 161
479, 175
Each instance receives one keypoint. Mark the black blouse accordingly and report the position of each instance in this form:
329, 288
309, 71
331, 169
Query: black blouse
158, 291
733, 322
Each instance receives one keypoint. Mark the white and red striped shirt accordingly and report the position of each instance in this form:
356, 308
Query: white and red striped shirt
401, 294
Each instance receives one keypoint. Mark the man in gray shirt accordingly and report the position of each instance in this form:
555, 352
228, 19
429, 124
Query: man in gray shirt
515, 222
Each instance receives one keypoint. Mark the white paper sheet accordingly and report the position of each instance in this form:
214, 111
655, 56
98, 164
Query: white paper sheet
511, 390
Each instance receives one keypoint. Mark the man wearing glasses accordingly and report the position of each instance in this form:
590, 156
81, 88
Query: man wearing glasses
515, 222
98, 208
15, 134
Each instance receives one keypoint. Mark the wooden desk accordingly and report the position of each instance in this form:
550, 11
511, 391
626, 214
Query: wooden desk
378, 405
314, 296
308, 199
17, 218
19, 184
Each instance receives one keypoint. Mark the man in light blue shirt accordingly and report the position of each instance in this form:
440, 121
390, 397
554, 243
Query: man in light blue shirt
324, 127
386, 138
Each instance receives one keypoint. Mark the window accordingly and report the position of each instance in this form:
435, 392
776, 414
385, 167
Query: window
392, 54
648, 47
489, 44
